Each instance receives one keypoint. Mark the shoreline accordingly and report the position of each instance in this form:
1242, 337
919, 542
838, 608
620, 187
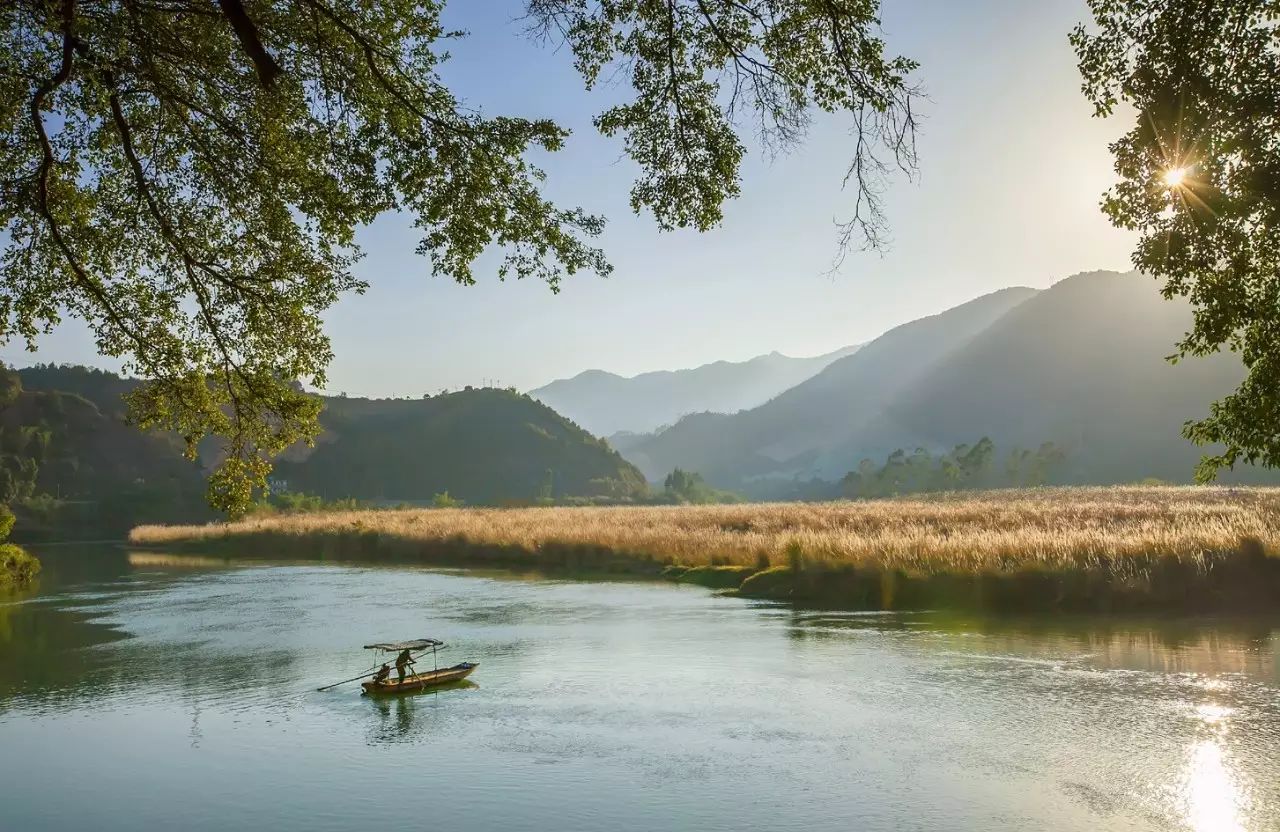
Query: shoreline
18, 567
1236, 582
1100, 550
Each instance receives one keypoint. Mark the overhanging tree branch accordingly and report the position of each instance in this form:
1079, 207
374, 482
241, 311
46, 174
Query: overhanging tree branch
247, 33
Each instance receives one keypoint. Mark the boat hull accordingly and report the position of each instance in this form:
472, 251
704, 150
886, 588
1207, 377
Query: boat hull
420, 681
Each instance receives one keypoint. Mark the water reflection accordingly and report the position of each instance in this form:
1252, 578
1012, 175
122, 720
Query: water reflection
408, 717
1209, 647
1210, 789
647, 705
1214, 799
154, 560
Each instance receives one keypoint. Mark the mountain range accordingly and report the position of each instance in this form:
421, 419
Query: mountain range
1081, 364
607, 404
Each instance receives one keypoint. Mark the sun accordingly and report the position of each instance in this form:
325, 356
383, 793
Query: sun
1174, 177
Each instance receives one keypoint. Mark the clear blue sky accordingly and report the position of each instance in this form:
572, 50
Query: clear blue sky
1012, 168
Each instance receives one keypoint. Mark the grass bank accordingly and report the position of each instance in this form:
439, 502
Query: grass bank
1079, 549
18, 567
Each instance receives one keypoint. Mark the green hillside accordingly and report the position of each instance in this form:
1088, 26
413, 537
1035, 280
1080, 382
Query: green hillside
484, 446
72, 468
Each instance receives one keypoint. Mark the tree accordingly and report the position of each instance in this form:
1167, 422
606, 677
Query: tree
188, 176
1200, 181
975, 462
444, 500
684, 486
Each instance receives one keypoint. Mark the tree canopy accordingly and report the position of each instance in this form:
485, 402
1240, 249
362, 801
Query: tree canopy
1199, 179
188, 177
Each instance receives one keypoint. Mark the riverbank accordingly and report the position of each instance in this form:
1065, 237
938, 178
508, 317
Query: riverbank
1192, 549
18, 567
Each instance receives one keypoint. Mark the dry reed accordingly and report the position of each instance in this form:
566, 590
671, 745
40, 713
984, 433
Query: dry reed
1053, 529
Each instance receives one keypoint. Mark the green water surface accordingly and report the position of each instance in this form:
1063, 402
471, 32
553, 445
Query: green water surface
139, 691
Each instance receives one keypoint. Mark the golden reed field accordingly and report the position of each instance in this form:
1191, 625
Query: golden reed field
1117, 541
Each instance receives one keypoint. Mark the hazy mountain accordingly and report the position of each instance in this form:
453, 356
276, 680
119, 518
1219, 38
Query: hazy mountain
789, 433
605, 404
1080, 364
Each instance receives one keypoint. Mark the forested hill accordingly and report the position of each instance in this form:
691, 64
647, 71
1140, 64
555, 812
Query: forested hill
66, 459
484, 446
606, 404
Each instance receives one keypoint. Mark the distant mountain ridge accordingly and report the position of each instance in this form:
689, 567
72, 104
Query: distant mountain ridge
605, 403
788, 432
1081, 364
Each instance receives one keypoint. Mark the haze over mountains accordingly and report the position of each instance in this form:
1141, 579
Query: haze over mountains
785, 434
1080, 364
605, 404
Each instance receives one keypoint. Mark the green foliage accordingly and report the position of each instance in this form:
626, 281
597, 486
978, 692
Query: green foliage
17, 477
482, 446
714, 577
443, 500
294, 502
71, 468
965, 467
10, 387
683, 486
1202, 80
695, 65
18, 567
6, 522
188, 178
101, 387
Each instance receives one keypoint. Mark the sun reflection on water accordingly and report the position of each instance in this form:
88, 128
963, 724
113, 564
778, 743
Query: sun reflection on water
1213, 798
1213, 714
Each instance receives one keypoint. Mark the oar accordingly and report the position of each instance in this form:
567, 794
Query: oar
344, 681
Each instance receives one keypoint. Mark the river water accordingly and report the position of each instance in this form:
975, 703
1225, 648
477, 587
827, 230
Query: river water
140, 690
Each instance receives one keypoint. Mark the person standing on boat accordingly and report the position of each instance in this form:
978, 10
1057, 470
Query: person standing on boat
383, 674
402, 663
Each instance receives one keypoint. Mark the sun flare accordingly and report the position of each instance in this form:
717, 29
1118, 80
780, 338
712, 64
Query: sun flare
1174, 177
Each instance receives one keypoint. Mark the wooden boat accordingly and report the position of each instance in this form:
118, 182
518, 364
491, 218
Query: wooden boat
420, 681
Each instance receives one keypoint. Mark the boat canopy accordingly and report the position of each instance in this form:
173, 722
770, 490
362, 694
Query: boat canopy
397, 646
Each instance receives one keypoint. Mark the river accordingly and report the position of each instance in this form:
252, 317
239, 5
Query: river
140, 690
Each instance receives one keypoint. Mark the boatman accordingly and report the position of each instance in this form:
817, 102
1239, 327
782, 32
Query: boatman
402, 663
383, 673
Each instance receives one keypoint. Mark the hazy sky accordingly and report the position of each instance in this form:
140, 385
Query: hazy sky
1012, 168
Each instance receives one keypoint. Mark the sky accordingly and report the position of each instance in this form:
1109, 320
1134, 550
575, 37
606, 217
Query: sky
1012, 168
